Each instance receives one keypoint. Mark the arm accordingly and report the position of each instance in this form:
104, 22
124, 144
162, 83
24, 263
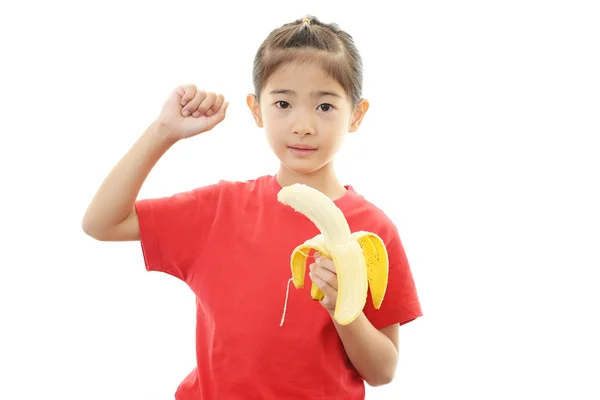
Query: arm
111, 216
374, 353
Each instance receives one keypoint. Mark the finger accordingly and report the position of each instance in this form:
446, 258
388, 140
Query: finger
210, 122
327, 290
206, 104
325, 262
186, 92
220, 115
193, 104
216, 106
325, 275
328, 303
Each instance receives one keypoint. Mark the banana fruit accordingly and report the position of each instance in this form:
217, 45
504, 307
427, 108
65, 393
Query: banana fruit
360, 258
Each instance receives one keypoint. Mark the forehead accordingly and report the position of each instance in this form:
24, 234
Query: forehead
303, 78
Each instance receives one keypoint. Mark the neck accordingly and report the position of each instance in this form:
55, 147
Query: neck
324, 180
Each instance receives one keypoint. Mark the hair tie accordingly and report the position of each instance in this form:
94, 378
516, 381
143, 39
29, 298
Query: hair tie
304, 19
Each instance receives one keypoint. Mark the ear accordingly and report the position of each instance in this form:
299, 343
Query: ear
358, 114
254, 109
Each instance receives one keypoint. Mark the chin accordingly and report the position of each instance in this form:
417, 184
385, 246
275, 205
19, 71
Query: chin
302, 166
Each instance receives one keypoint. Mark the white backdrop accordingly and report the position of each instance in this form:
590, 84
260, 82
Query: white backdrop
481, 143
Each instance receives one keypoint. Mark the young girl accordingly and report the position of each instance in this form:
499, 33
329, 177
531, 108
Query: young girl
231, 242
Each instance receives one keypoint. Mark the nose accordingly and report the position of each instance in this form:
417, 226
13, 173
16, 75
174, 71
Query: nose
303, 125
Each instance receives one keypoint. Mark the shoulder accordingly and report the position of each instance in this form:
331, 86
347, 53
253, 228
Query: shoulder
243, 184
401, 302
241, 188
207, 195
230, 194
364, 214
228, 186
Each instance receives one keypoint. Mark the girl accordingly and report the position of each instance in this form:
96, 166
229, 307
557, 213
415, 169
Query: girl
230, 242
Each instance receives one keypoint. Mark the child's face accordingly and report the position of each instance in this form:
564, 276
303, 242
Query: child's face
305, 114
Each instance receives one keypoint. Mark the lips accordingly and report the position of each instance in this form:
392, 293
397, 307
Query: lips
302, 147
302, 150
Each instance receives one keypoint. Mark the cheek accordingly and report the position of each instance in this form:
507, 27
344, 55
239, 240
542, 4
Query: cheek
274, 138
337, 122
337, 128
274, 122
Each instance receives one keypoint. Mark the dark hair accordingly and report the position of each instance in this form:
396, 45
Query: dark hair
309, 40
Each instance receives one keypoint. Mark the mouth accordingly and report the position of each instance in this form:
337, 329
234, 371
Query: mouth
301, 149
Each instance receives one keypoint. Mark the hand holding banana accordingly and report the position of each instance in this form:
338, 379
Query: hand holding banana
322, 274
351, 262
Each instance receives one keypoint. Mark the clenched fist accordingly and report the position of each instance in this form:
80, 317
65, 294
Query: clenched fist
189, 111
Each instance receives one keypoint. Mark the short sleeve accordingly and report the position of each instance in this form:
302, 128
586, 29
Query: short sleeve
400, 302
174, 229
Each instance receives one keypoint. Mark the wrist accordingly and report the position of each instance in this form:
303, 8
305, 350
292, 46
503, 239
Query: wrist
161, 135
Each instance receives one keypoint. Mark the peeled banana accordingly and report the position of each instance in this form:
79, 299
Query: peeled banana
360, 258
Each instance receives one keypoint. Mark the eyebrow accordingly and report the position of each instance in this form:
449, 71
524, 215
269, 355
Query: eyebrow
319, 93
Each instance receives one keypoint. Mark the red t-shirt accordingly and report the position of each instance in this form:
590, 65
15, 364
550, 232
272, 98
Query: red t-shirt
231, 242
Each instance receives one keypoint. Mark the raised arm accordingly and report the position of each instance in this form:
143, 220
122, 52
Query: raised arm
187, 112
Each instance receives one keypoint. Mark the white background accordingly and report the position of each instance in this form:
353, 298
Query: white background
481, 143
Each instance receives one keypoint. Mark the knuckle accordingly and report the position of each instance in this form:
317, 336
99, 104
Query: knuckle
209, 99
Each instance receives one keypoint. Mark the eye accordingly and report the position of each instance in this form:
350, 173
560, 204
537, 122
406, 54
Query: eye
282, 104
326, 107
